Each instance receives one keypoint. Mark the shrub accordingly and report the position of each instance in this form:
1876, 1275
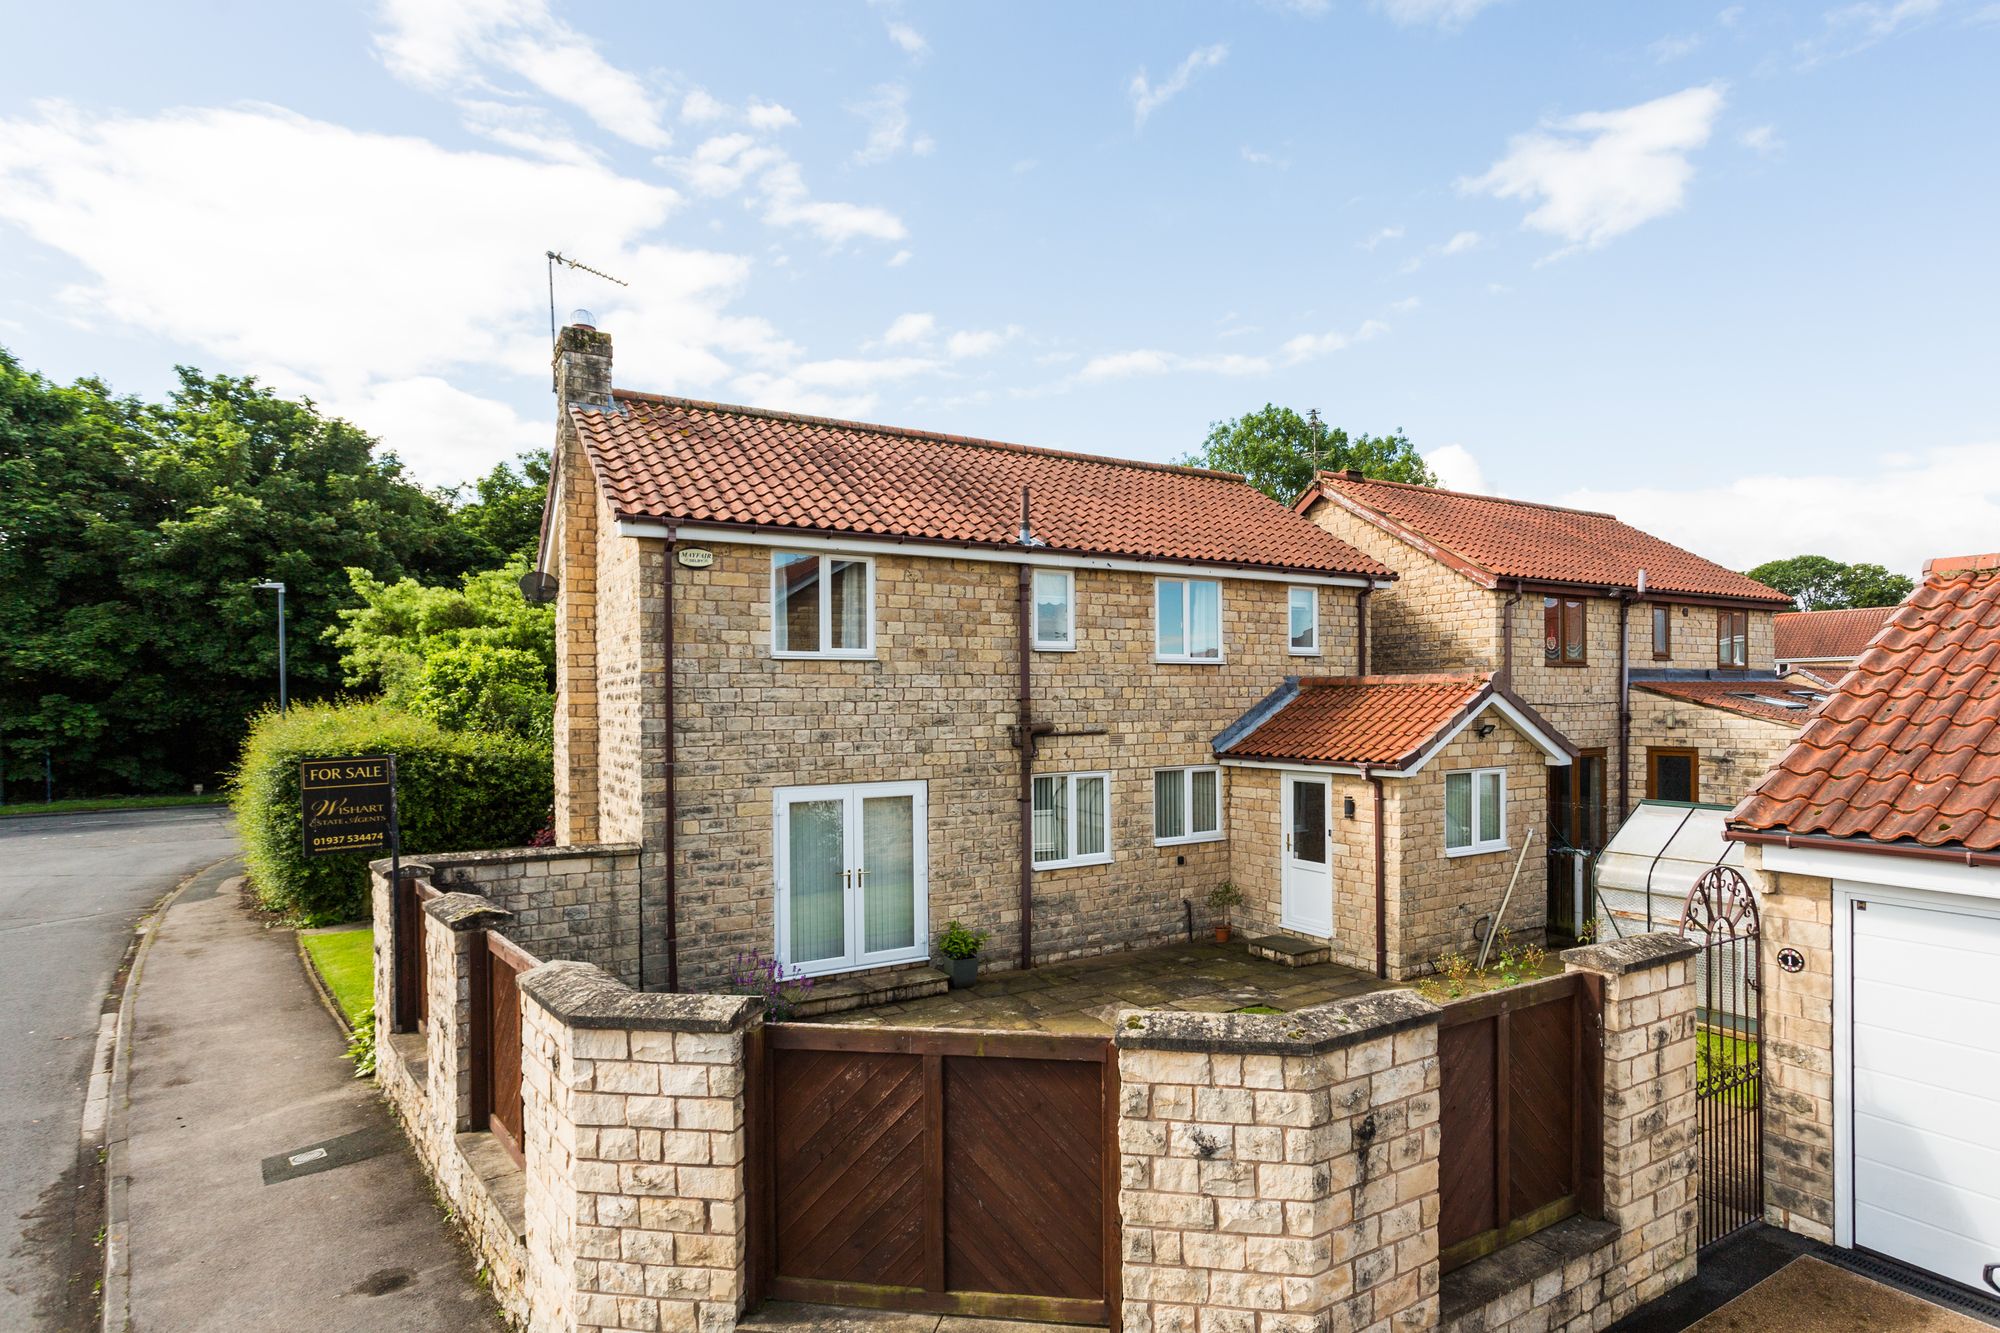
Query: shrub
960, 942
456, 791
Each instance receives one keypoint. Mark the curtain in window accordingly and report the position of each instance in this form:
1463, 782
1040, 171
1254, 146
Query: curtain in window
1457, 810
1205, 800
889, 879
795, 627
1204, 619
1051, 835
1171, 610
1089, 816
848, 606
1573, 620
1169, 818
1489, 807
818, 861
1052, 608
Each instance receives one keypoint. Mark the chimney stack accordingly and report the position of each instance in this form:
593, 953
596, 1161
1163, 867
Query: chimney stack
583, 365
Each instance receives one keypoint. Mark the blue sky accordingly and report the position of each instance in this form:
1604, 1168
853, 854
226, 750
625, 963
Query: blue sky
1728, 272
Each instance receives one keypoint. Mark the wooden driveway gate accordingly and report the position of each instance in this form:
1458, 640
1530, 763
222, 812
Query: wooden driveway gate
930, 1170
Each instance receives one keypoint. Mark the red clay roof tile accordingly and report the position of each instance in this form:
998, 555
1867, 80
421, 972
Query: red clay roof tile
1748, 697
1509, 539
1361, 719
693, 462
1907, 747
1827, 636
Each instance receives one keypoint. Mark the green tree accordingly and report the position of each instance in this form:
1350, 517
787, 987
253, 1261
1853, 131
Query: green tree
1819, 583
505, 520
475, 657
133, 647
1278, 450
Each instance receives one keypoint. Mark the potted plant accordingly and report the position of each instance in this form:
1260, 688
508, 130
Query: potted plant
960, 948
1220, 899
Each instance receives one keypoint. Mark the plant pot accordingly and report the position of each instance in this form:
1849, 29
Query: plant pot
964, 971
1222, 934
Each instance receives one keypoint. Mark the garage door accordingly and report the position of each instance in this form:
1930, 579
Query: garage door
1926, 1012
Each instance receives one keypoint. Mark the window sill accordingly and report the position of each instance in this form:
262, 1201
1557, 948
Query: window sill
1189, 841
1302, 652
1188, 661
825, 657
1546, 662
1104, 860
1477, 849
1055, 647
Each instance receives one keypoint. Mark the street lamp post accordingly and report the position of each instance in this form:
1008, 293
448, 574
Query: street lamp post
279, 588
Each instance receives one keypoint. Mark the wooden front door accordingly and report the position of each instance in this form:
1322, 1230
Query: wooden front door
918, 1169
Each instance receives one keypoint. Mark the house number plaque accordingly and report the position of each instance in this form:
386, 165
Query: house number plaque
1791, 960
695, 557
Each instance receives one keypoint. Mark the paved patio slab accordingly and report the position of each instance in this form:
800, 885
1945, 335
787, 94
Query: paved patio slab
1084, 995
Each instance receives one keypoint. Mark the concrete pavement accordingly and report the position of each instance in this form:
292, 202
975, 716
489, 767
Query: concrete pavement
72, 887
268, 1188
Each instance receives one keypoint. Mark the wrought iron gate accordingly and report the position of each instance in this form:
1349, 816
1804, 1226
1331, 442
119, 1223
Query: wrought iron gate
1721, 917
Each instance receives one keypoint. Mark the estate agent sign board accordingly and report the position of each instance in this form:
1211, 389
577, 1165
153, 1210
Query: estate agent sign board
348, 805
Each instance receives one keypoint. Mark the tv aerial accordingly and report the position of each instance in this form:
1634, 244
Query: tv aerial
558, 257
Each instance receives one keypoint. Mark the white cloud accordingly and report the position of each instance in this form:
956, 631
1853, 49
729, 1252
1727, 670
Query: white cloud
1148, 97
979, 342
525, 129
910, 41
455, 46
1447, 14
858, 372
721, 165
1853, 28
915, 327
769, 116
441, 432
729, 162
699, 107
1600, 174
1406, 305
1147, 362
1751, 518
1307, 346
1457, 469
361, 266
887, 112
900, 258
1257, 157
1669, 49
1460, 243
1377, 238
1761, 139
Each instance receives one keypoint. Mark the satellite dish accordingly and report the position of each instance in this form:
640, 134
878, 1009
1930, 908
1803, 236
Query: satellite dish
537, 588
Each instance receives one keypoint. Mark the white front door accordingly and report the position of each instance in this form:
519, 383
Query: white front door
851, 868
1307, 905
1925, 1013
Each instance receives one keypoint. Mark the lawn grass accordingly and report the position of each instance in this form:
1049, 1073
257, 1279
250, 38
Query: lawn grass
344, 956
84, 805
1716, 1050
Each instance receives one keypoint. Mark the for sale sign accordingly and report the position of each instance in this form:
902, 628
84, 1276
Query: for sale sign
348, 805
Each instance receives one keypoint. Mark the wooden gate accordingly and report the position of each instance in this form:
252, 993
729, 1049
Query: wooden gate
1721, 917
1519, 1074
929, 1170
497, 965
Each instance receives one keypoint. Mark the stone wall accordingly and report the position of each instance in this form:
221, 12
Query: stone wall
1280, 1174
570, 552
578, 902
1735, 750
1432, 618
1256, 867
1796, 911
937, 703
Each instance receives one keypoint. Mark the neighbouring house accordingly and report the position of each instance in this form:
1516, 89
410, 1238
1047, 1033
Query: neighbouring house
1819, 646
1654, 662
1874, 847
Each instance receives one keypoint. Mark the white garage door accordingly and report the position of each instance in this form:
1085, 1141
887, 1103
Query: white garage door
1926, 1012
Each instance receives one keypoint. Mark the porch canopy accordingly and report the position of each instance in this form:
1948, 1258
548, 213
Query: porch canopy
1644, 873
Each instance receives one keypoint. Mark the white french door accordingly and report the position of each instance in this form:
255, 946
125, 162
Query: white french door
852, 882
1307, 902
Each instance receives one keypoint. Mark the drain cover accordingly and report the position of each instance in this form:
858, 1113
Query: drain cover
358, 1146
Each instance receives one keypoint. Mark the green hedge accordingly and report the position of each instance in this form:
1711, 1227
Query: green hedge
456, 791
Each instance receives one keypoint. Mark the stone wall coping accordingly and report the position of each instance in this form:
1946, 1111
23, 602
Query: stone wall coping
1634, 953
582, 995
466, 911
1322, 1028
509, 855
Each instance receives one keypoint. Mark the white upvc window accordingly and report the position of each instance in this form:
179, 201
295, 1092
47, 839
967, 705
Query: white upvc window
1187, 805
1054, 593
1303, 605
822, 605
1187, 620
852, 876
1475, 811
1072, 819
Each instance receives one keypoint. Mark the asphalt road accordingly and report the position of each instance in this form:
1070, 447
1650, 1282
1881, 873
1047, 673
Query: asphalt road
72, 887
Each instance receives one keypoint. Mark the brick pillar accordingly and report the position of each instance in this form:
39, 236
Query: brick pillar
1649, 1111
1279, 1174
583, 379
634, 1135
454, 925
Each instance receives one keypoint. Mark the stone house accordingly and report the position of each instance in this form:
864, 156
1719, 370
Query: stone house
1654, 662
835, 686
1873, 846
